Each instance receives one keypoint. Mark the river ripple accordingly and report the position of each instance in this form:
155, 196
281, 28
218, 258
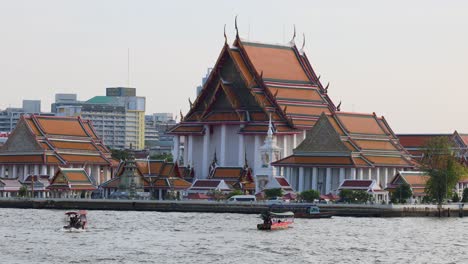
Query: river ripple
36, 236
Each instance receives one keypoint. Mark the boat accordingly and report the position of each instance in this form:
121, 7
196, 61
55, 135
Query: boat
275, 221
312, 212
76, 219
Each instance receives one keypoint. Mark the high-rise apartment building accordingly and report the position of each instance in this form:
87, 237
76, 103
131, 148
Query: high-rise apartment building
118, 117
10, 116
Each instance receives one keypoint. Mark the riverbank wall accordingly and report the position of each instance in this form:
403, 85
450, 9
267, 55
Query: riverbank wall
242, 208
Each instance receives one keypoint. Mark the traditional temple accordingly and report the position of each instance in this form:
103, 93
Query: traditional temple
250, 82
9, 187
415, 179
415, 144
37, 186
370, 186
71, 183
140, 178
345, 146
40, 144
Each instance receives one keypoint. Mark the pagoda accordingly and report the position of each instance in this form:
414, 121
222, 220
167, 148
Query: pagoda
250, 82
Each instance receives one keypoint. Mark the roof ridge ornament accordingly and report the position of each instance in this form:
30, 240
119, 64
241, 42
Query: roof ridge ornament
235, 25
303, 43
294, 35
338, 107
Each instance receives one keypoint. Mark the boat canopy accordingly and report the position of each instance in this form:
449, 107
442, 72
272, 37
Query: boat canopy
282, 215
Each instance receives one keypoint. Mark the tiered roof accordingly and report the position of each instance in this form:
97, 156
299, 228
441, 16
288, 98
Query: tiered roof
415, 179
54, 140
369, 186
9, 184
158, 174
251, 80
236, 177
71, 179
349, 140
415, 143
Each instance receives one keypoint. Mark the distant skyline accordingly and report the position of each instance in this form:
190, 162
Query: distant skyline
405, 60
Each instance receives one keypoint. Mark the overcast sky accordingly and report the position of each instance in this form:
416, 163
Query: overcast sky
406, 60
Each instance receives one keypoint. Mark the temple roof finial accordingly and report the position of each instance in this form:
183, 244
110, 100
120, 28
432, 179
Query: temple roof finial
294, 35
237, 29
270, 128
303, 42
225, 37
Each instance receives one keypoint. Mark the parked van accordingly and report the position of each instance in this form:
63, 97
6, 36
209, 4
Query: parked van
242, 198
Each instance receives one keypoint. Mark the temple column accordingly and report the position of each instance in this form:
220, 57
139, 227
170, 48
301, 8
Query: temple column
361, 173
353, 173
36, 169
189, 150
257, 160
96, 174
285, 146
176, 148
304, 135
369, 176
52, 171
314, 178
328, 181
342, 176
301, 179
106, 173
294, 141
14, 170
222, 155
44, 169
2, 171
377, 176
241, 153
206, 145
25, 171
89, 170
385, 178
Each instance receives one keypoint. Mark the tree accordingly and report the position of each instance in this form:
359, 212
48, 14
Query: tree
442, 167
23, 191
277, 192
310, 195
119, 154
217, 195
235, 192
346, 196
163, 156
465, 195
455, 197
402, 193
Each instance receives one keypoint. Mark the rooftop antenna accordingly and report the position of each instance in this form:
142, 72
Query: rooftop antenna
128, 67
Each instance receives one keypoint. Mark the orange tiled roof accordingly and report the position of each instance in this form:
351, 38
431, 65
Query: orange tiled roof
21, 158
76, 158
360, 123
310, 160
66, 126
276, 62
73, 145
382, 160
228, 172
375, 144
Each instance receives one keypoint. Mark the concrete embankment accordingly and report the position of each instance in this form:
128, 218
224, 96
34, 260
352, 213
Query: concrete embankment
243, 208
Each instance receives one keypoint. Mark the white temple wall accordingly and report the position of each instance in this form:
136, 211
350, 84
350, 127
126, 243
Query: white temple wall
197, 156
232, 146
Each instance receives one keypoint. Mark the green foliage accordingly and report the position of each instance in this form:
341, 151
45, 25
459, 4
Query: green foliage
402, 193
355, 196
442, 167
235, 192
217, 195
455, 197
271, 193
119, 154
23, 191
163, 156
310, 195
465, 195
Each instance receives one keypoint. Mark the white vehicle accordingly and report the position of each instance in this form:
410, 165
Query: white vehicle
242, 198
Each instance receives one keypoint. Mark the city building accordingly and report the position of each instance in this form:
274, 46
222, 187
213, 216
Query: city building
345, 146
157, 140
118, 118
10, 116
249, 83
39, 145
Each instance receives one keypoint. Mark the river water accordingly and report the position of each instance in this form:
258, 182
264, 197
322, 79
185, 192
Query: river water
36, 236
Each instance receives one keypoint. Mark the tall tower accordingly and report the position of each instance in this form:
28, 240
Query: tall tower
269, 152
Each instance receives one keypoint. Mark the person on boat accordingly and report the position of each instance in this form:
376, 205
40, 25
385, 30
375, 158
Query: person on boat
82, 220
